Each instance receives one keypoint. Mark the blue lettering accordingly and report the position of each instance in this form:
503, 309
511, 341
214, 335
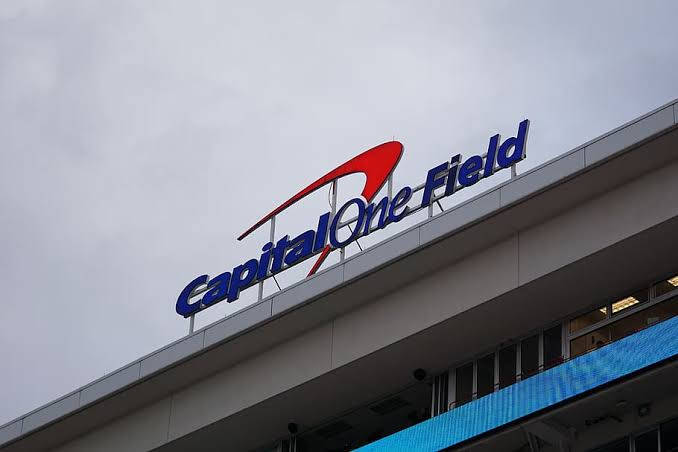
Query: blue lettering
302, 247
243, 275
518, 145
491, 154
371, 210
184, 307
321, 234
278, 254
334, 241
217, 289
468, 172
452, 175
264, 261
434, 179
399, 200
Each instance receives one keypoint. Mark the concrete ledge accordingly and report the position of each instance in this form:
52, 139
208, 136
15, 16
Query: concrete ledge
546, 175
110, 383
173, 353
10, 431
308, 288
238, 322
381, 254
51, 412
629, 135
459, 216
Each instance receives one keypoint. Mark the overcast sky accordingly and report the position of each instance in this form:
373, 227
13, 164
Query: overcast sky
139, 138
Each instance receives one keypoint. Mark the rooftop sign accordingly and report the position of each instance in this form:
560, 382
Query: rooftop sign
377, 164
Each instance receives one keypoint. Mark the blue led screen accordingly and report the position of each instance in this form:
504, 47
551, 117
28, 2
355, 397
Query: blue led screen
555, 385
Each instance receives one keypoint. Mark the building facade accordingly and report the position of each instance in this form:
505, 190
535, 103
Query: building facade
539, 315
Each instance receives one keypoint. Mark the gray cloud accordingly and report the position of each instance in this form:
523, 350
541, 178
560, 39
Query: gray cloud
139, 139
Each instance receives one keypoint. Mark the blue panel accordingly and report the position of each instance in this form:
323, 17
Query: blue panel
570, 379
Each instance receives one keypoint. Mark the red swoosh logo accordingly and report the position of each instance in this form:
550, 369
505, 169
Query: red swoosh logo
376, 164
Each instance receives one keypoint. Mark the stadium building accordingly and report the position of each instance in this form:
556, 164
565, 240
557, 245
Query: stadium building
539, 315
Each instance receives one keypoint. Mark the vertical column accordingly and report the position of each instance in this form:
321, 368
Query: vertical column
452, 389
439, 394
519, 367
540, 362
434, 397
474, 392
496, 369
566, 342
271, 238
335, 187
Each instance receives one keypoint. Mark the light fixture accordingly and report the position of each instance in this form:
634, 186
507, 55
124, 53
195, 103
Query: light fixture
623, 304
643, 410
673, 281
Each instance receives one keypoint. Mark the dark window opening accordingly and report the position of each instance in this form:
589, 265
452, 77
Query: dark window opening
529, 356
486, 375
669, 435
647, 442
464, 384
553, 347
507, 366
666, 286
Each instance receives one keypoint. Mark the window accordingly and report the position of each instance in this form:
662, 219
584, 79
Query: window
639, 297
624, 327
507, 366
588, 319
666, 286
590, 341
553, 347
647, 442
464, 384
669, 435
485, 375
529, 356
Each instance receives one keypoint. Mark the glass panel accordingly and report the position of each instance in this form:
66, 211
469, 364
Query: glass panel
625, 326
464, 384
588, 319
666, 286
647, 442
485, 375
643, 319
529, 356
590, 341
669, 434
553, 347
639, 297
507, 366
621, 445
578, 346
